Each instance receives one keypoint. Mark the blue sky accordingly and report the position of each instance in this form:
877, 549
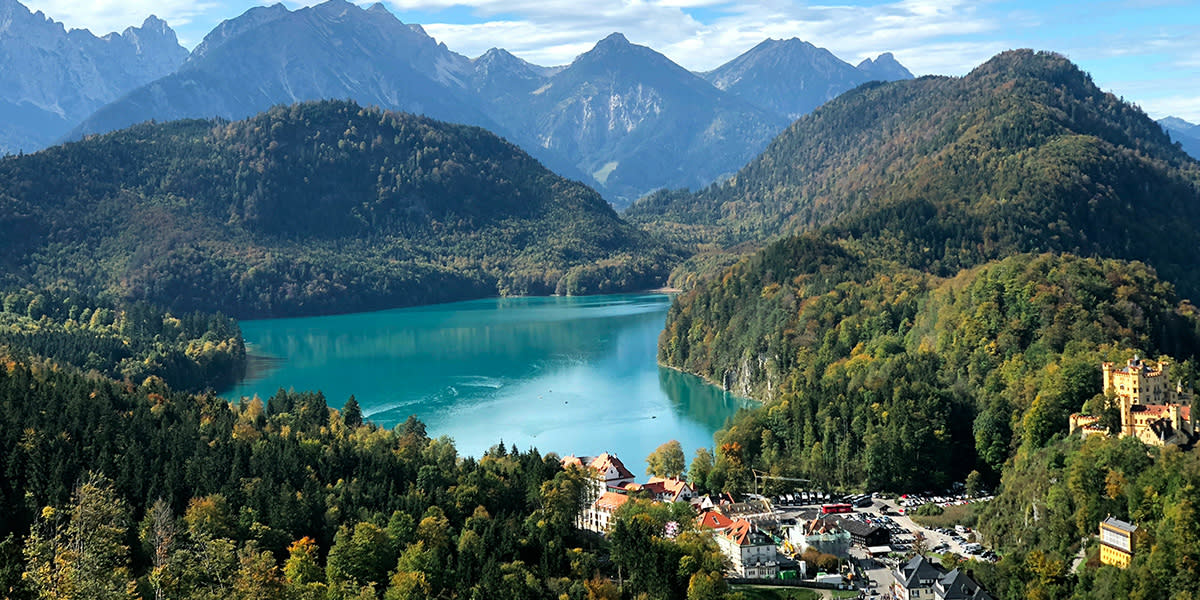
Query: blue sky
1147, 51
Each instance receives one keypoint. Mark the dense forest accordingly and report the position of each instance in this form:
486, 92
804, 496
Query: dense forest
1051, 501
898, 380
1022, 155
957, 256
192, 351
884, 378
307, 209
119, 490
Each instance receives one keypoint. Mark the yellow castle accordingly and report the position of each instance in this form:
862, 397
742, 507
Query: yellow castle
1151, 409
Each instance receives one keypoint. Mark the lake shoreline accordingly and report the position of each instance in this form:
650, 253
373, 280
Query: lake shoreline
708, 381
570, 374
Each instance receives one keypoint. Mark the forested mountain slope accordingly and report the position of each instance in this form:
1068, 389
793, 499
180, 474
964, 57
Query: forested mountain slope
1024, 154
313, 208
806, 320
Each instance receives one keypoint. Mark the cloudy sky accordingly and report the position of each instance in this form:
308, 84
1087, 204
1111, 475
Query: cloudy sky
1147, 51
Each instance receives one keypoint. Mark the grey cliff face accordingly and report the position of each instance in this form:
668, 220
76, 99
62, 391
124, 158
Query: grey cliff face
54, 78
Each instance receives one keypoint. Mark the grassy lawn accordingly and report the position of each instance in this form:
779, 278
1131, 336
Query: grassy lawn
762, 592
959, 514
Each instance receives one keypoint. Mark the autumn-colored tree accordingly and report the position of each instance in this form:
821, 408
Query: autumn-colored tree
78, 552
667, 461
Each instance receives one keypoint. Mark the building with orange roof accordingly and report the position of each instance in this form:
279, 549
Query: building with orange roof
670, 489
599, 515
751, 553
822, 535
610, 480
714, 520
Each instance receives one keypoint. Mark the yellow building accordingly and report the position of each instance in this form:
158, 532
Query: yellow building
1151, 409
1116, 542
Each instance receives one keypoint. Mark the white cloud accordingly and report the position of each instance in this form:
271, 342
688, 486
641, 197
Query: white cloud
555, 32
1184, 106
105, 16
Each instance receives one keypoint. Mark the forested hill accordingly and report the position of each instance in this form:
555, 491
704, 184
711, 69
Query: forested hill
1024, 154
311, 208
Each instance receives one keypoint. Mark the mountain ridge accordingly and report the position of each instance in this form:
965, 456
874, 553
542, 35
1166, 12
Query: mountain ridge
311, 208
764, 77
55, 77
344, 55
1187, 134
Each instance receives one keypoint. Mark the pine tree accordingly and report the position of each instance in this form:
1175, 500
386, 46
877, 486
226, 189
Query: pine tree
352, 413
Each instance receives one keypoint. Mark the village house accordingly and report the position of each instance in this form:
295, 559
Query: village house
714, 521
751, 552
861, 534
820, 535
599, 514
958, 585
924, 579
1151, 409
670, 489
758, 512
610, 481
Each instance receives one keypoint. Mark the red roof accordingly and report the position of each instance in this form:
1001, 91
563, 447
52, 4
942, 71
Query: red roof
1158, 410
714, 520
611, 501
667, 486
738, 531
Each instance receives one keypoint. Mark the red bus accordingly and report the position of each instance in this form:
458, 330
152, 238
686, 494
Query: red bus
828, 509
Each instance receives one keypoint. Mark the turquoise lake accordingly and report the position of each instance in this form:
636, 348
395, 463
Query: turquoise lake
566, 375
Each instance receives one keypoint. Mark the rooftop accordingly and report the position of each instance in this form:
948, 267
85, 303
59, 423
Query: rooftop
1119, 524
611, 501
743, 533
714, 520
919, 569
957, 585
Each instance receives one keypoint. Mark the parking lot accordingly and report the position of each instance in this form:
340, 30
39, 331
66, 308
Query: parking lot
889, 514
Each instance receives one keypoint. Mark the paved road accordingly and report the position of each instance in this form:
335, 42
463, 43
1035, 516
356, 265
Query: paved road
879, 573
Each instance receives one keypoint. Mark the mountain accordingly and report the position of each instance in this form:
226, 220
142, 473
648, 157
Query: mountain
622, 118
1023, 154
53, 78
306, 209
331, 50
792, 77
635, 121
884, 68
1187, 134
958, 255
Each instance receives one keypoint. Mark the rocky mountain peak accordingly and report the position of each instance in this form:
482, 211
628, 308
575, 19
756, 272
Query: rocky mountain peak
792, 77
232, 28
614, 39
53, 78
884, 68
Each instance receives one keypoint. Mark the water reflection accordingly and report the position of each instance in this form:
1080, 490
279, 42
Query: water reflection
707, 404
570, 375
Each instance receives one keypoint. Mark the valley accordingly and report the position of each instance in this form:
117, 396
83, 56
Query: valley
376, 325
